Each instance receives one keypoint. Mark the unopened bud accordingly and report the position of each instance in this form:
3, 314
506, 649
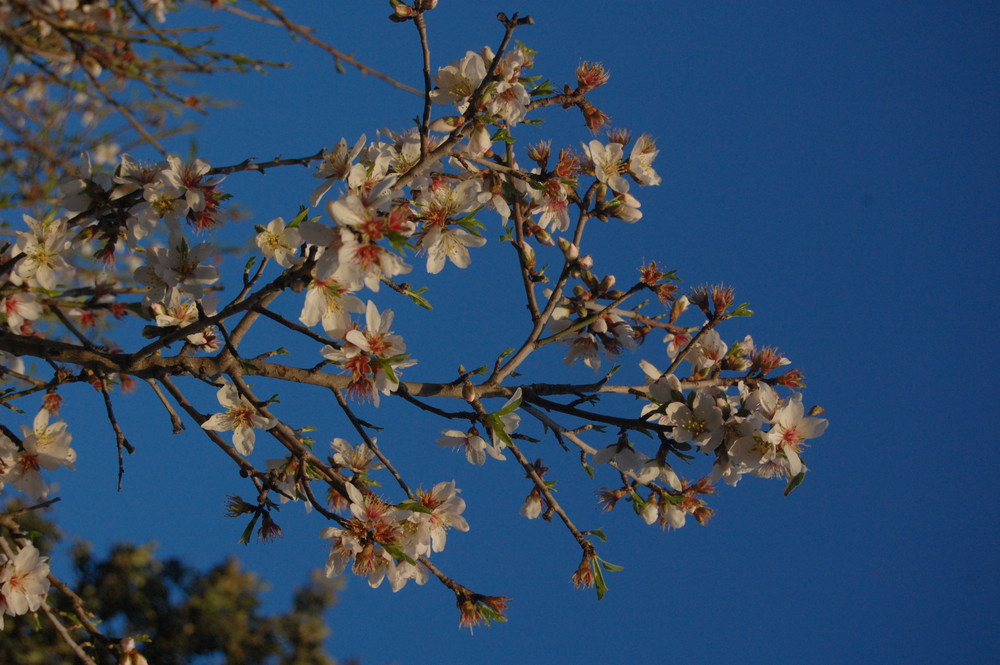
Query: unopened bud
447, 124
607, 283
620, 136
587, 262
402, 10
594, 117
528, 252
540, 152
569, 249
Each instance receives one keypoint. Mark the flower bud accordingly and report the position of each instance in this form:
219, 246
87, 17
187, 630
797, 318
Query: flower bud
679, 307
540, 152
593, 117
447, 124
569, 250
587, 262
402, 10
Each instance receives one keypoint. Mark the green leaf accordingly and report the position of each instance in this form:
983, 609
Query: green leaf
497, 426
300, 217
508, 408
590, 470
248, 532
419, 299
398, 554
542, 89
502, 135
795, 482
599, 584
610, 567
742, 310
386, 365
415, 506
597, 533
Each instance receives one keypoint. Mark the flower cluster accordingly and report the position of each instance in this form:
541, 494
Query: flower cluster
44, 445
382, 541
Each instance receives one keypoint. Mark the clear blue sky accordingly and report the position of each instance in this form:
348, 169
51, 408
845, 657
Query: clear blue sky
839, 166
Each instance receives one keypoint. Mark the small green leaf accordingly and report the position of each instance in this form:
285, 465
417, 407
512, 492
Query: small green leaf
590, 470
742, 310
497, 426
415, 506
248, 532
610, 567
795, 482
508, 408
542, 89
419, 299
597, 533
398, 554
599, 584
300, 217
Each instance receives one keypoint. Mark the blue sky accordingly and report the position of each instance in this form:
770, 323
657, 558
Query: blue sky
839, 166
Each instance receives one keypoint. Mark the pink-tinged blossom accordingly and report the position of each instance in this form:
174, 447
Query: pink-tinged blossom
474, 446
19, 308
606, 161
456, 82
190, 180
160, 202
280, 242
329, 302
446, 513
624, 457
364, 264
640, 162
700, 424
179, 267
448, 243
44, 445
532, 506
24, 581
240, 416
359, 459
335, 166
373, 356
708, 351
42, 245
790, 428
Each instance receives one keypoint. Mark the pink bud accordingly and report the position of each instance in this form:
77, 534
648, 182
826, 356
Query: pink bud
569, 250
